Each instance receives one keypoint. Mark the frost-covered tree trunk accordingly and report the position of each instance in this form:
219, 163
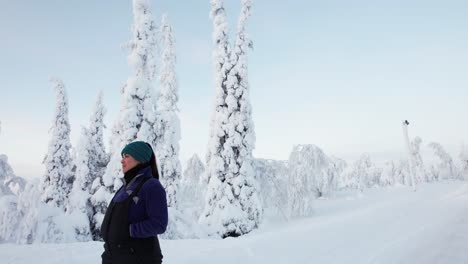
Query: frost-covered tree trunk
410, 153
136, 118
418, 169
57, 180
168, 125
232, 204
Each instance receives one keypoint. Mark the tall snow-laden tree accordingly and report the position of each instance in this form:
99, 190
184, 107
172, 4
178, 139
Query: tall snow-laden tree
136, 118
57, 180
168, 125
79, 205
88, 199
98, 160
232, 205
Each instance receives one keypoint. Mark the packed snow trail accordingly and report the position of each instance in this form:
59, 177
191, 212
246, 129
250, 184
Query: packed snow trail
383, 226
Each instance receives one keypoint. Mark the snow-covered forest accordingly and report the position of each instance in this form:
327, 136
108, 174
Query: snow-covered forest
229, 193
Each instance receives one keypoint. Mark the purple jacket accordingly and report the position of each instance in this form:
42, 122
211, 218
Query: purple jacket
147, 214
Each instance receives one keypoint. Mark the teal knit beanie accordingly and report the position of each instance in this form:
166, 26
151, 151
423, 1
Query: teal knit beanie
139, 150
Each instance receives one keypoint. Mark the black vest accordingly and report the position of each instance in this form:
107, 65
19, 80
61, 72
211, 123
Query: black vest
119, 246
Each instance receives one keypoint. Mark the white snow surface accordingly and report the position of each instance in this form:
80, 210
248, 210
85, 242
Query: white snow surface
381, 225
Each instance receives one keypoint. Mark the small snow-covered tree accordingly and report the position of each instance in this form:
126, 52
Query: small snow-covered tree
57, 180
136, 119
418, 164
446, 167
183, 220
192, 185
9, 215
336, 169
389, 172
168, 125
39, 221
232, 204
8, 180
464, 162
308, 178
363, 174
272, 178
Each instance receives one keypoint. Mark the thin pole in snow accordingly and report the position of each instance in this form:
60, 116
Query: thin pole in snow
410, 152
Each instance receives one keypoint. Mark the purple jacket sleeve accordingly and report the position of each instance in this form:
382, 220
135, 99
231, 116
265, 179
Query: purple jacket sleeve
156, 209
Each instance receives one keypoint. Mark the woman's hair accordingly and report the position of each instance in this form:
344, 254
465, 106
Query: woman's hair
153, 164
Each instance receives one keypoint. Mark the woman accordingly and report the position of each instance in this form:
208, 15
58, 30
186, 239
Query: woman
138, 211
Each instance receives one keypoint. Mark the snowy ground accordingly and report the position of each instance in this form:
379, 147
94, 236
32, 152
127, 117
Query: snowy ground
381, 226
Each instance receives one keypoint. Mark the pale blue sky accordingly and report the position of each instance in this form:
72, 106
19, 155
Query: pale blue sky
338, 74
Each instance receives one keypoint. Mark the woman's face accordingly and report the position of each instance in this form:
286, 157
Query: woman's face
128, 163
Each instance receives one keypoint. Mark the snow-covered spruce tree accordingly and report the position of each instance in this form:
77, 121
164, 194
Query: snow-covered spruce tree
136, 118
168, 125
79, 204
232, 205
88, 199
57, 180
96, 164
446, 167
